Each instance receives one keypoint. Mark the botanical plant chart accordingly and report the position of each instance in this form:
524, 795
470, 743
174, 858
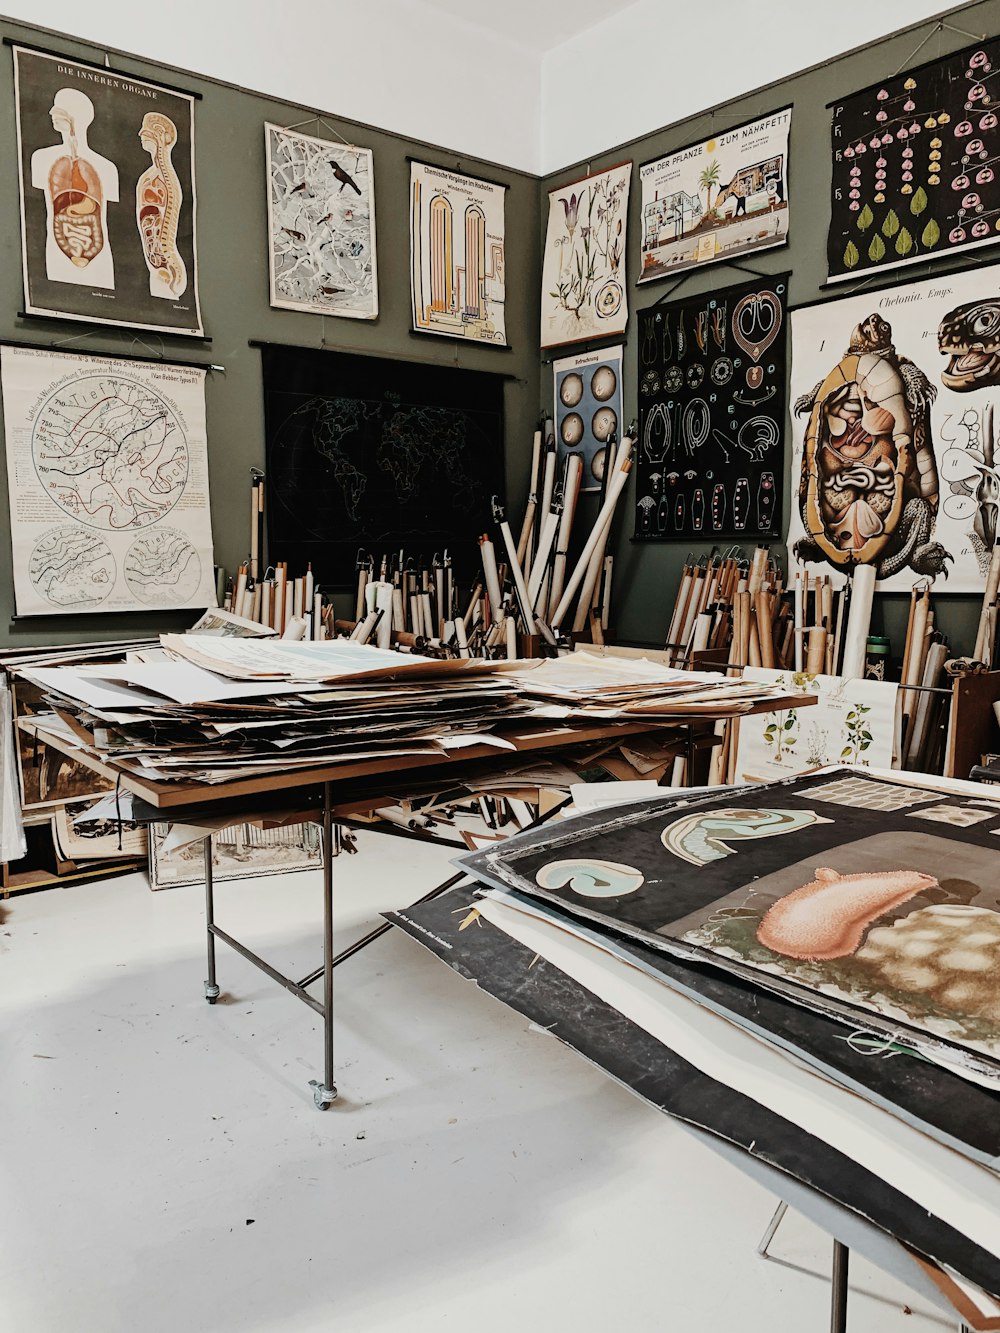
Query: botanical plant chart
320, 225
852, 722
743, 175
583, 265
894, 455
915, 165
106, 169
712, 413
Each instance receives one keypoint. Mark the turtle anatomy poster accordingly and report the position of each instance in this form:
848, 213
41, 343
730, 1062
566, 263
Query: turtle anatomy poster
457, 267
106, 165
718, 199
894, 432
588, 409
583, 264
107, 477
711, 414
915, 165
320, 225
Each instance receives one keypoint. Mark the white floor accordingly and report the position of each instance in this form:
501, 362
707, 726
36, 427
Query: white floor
163, 1167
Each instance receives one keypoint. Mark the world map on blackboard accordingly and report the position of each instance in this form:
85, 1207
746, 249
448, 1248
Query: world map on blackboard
377, 454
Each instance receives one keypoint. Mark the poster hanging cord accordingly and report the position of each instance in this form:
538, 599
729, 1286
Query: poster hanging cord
319, 120
724, 263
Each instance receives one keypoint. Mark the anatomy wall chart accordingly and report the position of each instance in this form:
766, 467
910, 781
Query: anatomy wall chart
588, 409
711, 414
894, 454
457, 266
320, 225
106, 165
107, 475
583, 264
718, 199
915, 172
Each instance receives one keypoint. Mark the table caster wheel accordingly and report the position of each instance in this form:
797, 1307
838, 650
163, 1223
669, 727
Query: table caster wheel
323, 1097
212, 992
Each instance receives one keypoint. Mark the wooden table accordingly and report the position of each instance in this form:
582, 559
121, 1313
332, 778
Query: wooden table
335, 791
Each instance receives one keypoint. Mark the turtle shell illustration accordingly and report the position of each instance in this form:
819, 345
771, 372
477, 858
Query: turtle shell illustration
868, 491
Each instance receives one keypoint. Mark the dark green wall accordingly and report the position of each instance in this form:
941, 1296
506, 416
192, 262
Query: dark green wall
646, 576
232, 253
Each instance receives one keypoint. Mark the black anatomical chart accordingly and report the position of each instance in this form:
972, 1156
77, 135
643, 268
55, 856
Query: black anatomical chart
711, 406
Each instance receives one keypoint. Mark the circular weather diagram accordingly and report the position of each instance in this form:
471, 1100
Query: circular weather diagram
162, 568
110, 452
71, 567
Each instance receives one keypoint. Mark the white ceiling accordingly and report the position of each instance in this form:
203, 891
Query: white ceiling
536, 25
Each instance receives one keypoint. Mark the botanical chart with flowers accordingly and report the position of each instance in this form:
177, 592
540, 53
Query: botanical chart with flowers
583, 265
852, 722
914, 165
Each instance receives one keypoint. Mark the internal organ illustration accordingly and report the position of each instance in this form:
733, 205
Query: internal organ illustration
701, 838
827, 917
949, 953
75, 190
158, 200
969, 336
590, 879
868, 492
78, 184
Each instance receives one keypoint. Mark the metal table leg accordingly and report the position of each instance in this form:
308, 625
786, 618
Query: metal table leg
838, 1295
325, 1093
772, 1227
211, 986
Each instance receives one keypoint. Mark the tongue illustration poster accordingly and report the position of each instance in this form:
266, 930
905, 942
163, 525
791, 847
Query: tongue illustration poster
894, 427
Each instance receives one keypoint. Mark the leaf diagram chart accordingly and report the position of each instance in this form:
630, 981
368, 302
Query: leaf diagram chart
107, 475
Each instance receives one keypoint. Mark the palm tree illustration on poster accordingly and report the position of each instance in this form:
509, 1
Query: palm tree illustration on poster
853, 722
583, 266
723, 197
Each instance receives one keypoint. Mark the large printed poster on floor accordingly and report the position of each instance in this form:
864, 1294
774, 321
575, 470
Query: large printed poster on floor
915, 165
718, 199
894, 432
107, 478
457, 264
106, 169
583, 264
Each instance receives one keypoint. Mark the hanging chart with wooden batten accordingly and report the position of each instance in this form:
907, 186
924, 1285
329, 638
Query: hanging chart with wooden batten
709, 458
915, 165
106, 167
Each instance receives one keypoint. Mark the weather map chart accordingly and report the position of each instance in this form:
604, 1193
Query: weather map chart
916, 165
107, 475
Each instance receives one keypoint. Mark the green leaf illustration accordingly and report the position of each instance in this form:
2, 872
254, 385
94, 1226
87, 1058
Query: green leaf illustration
851, 255
865, 219
789, 724
891, 224
876, 250
904, 243
845, 752
919, 201
931, 234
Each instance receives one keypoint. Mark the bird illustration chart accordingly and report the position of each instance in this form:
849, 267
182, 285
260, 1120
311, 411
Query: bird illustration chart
584, 292
880, 895
894, 460
107, 475
916, 165
320, 225
710, 458
106, 171
457, 264
718, 199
